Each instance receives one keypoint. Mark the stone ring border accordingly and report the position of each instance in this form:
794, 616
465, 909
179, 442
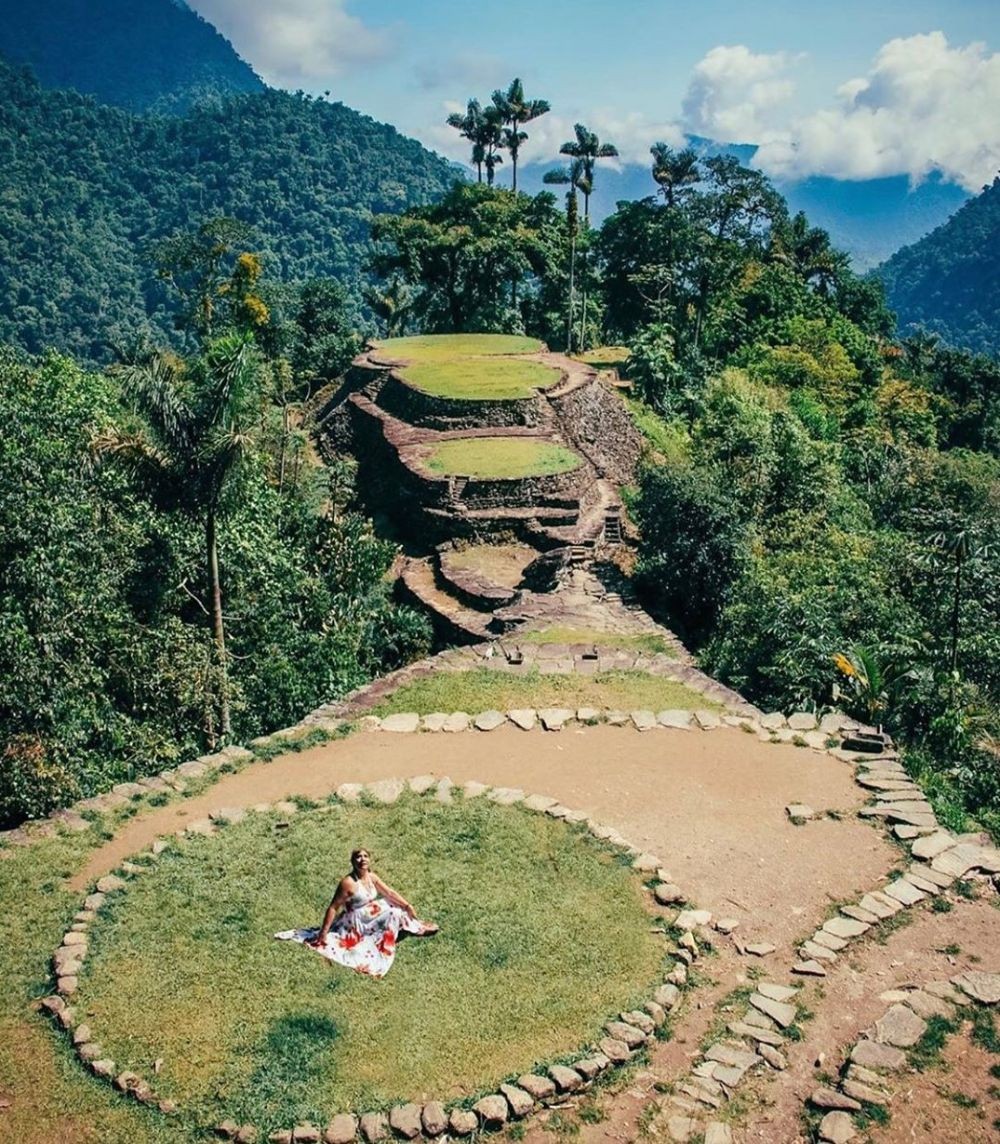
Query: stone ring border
625, 1035
802, 728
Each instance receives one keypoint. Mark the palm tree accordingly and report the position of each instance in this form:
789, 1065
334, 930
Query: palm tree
573, 175
588, 149
807, 251
675, 172
470, 126
491, 140
515, 110
951, 548
875, 679
198, 420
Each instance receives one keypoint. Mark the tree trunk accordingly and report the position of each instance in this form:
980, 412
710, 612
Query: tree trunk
955, 616
513, 156
284, 446
572, 287
218, 627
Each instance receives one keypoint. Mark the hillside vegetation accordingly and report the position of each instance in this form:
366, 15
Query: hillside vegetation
819, 510
136, 54
89, 190
175, 570
949, 283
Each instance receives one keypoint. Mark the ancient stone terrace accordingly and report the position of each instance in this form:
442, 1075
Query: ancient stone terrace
480, 441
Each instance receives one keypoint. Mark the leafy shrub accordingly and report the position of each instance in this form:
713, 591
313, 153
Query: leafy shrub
32, 782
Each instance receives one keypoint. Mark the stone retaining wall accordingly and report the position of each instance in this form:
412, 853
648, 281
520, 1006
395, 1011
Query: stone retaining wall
391, 456
410, 404
599, 426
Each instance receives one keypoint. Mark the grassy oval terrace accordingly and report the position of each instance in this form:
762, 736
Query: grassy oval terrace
476, 367
183, 969
499, 458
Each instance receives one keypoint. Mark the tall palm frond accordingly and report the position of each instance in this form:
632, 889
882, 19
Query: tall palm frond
515, 111
675, 172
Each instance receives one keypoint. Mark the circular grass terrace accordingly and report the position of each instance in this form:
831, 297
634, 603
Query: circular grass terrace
544, 936
441, 347
470, 367
500, 458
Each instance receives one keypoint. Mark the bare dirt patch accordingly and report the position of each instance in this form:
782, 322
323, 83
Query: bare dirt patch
502, 564
712, 805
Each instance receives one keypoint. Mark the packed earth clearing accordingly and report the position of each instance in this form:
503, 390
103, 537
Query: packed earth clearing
712, 805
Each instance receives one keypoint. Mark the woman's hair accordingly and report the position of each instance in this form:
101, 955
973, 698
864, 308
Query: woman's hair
356, 853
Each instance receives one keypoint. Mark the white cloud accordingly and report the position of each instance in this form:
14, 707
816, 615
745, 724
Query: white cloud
923, 107
297, 43
463, 70
734, 94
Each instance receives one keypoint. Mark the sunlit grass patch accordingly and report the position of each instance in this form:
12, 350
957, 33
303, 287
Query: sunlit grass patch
484, 689
500, 458
564, 634
605, 357
441, 347
184, 969
481, 378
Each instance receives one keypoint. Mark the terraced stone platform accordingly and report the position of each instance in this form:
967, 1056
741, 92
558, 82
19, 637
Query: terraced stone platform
483, 440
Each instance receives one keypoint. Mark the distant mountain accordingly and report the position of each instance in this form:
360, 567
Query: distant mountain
949, 282
135, 54
869, 219
872, 218
88, 188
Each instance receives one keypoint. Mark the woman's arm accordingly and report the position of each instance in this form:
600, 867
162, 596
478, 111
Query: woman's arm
388, 892
344, 891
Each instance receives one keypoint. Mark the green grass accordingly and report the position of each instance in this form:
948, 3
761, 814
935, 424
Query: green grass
500, 458
605, 357
564, 634
442, 347
484, 690
984, 1030
481, 379
526, 969
926, 1053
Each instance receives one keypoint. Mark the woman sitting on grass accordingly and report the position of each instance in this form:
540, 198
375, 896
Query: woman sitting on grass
363, 922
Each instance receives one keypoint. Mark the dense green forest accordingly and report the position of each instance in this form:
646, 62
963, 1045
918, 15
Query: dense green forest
88, 189
819, 506
175, 570
949, 282
137, 54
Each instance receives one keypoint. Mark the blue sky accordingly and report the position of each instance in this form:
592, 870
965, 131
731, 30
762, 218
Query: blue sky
848, 88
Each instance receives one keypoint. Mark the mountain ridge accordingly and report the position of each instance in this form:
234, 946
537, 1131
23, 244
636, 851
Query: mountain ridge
136, 54
948, 283
89, 188
869, 219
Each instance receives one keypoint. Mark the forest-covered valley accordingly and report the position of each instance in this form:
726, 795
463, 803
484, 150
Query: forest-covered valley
818, 505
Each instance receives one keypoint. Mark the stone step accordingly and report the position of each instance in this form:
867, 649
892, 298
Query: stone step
459, 623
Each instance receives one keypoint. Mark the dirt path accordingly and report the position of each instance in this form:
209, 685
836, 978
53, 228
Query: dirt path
711, 805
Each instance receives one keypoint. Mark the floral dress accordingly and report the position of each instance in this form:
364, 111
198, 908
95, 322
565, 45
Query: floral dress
363, 936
